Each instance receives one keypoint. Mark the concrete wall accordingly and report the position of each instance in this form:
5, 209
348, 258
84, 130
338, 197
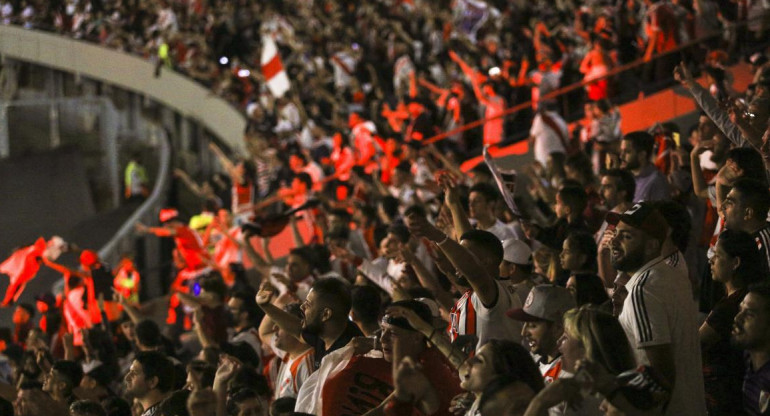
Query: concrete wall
130, 72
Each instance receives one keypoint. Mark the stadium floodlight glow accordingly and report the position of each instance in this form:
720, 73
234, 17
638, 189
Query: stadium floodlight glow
243, 73
224, 60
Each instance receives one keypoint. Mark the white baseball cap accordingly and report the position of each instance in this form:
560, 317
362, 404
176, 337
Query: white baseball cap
517, 252
544, 303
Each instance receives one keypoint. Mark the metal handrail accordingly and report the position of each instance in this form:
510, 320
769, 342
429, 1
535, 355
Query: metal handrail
578, 85
124, 237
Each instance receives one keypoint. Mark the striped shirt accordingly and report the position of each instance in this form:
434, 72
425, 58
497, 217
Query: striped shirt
470, 317
660, 310
293, 374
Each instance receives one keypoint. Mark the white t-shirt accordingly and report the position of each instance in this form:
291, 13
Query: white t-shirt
470, 316
501, 230
547, 140
659, 310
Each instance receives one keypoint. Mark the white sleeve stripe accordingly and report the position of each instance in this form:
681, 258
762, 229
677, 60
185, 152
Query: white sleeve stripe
640, 310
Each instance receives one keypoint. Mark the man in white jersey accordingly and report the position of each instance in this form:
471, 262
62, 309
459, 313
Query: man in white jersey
481, 309
659, 315
296, 359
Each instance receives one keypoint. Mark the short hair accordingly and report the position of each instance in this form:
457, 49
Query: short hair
148, 333
641, 141
155, 364
115, 406
70, 370
248, 304
304, 177
585, 243
489, 192
335, 294
416, 210
175, 404
574, 197
753, 194
342, 213
338, 233
390, 206
489, 243
87, 408
750, 161
213, 283
304, 253
581, 164
743, 245
589, 289
762, 290
399, 230
283, 405
678, 220
626, 182
365, 302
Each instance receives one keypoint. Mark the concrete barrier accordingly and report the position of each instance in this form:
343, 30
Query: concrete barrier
130, 72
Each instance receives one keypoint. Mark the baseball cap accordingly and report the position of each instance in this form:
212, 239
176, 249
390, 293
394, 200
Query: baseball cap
643, 216
544, 303
168, 214
517, 252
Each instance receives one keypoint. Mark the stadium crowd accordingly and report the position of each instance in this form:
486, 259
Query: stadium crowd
617, 274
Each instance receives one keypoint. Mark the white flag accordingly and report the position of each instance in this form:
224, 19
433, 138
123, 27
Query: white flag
272, 68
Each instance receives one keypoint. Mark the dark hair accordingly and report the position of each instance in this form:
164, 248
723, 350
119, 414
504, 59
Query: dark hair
399, 230
750, 161
87, 408
489, 192
241, 395
762, 290
489, 243
742, 245
305, 253
70, 370
626, 182
283, 405
248, 377
585, 244
248, 305
338, 233
755, 195
365, 301
335, 294
175, 404
510, 359
679, 221
342, 213
213, 283
580, 163
205, 369
306, 178
115, 406
390, 206
148, 334
321, 257
589, 289
641, 141
420, 309
574, 197
415, 209
155, 364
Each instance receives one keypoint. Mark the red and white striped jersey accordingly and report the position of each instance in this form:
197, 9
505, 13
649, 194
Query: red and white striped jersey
470, 317
292, 374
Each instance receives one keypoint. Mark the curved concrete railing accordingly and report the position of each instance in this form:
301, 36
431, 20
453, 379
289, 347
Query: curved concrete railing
171, 89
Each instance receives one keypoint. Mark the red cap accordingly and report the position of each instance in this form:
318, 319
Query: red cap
168, 214
88, 258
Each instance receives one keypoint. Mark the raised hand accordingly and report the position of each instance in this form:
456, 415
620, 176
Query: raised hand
414, 320
265, 294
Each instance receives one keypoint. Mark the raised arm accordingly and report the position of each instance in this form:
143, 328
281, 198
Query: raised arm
461, 258
286, 321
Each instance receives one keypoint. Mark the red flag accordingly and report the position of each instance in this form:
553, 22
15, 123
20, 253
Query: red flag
21, 267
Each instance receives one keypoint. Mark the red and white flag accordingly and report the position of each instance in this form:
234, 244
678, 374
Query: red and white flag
272, 68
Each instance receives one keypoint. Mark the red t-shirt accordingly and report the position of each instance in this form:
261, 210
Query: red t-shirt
190, 247
366, 382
